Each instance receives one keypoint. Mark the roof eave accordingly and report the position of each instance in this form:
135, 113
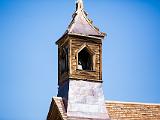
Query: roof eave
99, 37
64, 35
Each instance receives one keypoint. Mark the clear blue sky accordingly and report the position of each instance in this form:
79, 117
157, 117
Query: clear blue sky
28, 54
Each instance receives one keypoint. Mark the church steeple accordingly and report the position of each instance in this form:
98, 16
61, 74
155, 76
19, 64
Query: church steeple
80, 68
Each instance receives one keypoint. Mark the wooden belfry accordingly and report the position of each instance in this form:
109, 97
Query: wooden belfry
80, 70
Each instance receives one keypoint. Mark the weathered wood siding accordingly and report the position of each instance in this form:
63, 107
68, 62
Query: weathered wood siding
62, 76
75, 44
96, 48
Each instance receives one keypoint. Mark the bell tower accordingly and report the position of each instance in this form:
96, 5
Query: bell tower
80, 68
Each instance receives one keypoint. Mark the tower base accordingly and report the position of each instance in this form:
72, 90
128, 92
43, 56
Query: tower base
84, 99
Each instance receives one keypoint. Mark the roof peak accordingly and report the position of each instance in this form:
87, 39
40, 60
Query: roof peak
81, 25
79, 5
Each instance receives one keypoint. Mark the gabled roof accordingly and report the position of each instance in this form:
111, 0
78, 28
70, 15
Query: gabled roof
133, 111
81, 25
57, 110
116, 110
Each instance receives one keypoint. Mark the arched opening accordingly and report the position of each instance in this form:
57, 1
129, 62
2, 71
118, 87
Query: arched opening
85, 61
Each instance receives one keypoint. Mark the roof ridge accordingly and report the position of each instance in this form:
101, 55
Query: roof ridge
110, 101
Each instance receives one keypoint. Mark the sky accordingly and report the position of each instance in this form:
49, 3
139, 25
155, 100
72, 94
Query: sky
28, 54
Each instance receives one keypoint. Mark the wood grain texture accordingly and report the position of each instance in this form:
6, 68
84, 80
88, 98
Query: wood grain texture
95, 48
75, 45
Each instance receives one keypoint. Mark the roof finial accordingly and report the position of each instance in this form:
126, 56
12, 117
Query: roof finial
79, 5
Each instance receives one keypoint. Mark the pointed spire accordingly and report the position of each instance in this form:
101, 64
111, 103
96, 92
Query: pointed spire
79, 5
81, 25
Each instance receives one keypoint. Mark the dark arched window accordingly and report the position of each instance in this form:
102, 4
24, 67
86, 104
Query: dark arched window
85, 60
